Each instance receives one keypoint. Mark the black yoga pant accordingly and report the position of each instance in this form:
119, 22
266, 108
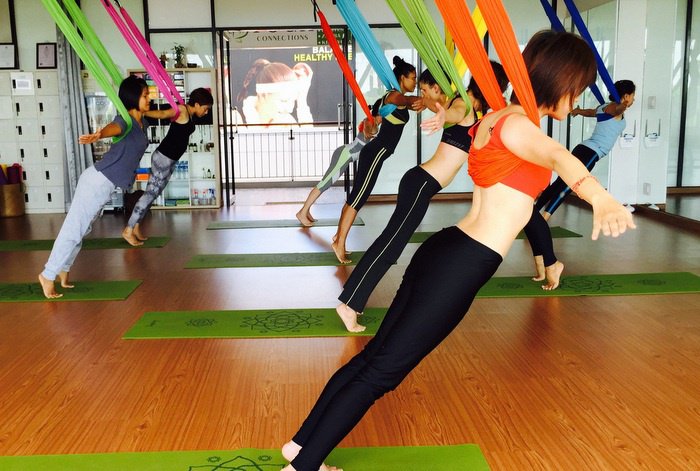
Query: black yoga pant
437, 289
369, 165
540, 237
416, 189
553, 196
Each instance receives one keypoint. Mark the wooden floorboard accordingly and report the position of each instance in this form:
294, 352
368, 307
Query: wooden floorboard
594, 383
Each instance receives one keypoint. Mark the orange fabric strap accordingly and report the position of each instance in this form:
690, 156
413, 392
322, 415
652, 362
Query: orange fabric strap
457, 18
503, 38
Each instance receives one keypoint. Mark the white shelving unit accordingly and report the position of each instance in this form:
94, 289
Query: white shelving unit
196, 180
31, 134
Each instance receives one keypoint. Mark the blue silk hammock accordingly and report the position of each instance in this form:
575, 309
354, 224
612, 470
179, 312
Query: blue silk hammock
142, 50
363, 35
342, 62
586, 35
95, 58
421, 30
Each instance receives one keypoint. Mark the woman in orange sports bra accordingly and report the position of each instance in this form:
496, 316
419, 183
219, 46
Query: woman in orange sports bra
510, 166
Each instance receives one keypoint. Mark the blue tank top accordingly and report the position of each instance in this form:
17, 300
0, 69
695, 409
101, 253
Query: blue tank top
605, 133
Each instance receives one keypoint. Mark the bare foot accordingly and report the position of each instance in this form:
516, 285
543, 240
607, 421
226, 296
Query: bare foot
305, 219
290, 450
138, 234
349, 318
130, 237
546, 216
539, 268
340, 253
335, 239
63, 278
553, 274
48, 288
311, 218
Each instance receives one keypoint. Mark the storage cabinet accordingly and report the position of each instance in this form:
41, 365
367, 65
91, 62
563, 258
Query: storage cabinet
31, 134
195, 183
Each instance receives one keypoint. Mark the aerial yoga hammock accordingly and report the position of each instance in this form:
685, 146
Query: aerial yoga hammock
585, 34
145, 54
95, 58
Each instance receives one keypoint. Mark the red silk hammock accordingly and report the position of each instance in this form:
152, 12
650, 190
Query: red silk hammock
343, 63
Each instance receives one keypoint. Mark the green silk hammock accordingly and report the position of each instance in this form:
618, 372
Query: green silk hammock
423, 34
95, 58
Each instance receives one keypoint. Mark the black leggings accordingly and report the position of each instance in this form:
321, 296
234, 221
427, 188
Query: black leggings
416, 189
369, 165
537, 230
437, 289
553, 196
540, 237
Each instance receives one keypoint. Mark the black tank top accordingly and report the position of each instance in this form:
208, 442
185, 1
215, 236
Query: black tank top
392, 127
175, 142
456, 135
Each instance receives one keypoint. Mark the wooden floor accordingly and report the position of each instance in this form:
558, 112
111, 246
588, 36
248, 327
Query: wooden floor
585, 383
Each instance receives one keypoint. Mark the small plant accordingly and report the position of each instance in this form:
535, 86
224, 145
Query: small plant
179, 51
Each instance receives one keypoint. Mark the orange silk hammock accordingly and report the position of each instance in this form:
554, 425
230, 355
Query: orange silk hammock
503, 38
343, 63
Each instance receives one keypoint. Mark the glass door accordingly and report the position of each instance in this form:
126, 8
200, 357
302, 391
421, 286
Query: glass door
288, 105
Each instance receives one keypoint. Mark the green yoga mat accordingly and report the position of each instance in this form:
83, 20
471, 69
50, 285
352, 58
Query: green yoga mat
266, 223
594, 285
557, 233
101, 243
415, 458
305, 259
83, 291
263, 323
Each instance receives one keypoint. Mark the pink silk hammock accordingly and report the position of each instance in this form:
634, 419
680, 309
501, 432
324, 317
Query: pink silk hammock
343, 63
145, 54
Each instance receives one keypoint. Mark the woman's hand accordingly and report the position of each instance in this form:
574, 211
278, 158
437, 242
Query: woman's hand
434, 124
90, 138
609, 216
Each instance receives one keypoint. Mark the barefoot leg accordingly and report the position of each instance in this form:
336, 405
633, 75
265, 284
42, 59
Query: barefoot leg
347, 217
48, 288
63, 278
539, 268
130, 237
349, 318
138, 234
553, 273
304, 215
335, 238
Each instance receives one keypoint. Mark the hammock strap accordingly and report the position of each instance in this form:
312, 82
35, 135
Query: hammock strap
504, 41
100, 69
558, 26
141, 49
368, 42
472, 49
343, 64
602, 70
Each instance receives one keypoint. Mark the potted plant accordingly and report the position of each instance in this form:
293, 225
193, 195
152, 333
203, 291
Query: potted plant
179, 51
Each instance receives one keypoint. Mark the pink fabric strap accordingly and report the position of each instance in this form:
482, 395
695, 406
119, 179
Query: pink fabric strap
145, 55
